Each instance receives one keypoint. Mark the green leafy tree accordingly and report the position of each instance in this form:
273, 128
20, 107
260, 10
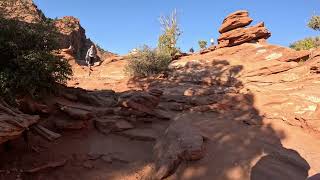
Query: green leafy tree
202, 44
28, 65
168, 40
311, 42
314, 23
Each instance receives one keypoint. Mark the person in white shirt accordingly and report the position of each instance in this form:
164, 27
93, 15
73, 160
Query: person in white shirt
91, 55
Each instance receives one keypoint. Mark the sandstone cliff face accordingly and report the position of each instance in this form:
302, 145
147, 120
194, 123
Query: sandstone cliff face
234, 32
283, 81
71, 33
23, 10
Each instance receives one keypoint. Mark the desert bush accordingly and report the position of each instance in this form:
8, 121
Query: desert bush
311, 42
27, 64
171, 32
306, 44
146, 61
202, 44
314, 23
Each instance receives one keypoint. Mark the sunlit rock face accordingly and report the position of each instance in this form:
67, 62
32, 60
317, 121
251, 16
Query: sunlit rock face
234, 31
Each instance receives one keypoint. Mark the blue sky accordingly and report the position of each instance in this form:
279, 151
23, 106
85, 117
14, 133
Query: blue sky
120, 25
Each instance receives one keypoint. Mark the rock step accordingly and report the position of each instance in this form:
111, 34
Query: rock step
140, 134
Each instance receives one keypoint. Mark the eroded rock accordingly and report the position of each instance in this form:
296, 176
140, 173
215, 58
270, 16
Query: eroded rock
63, 124
13, 122
243, 35
140, 134
140, 101
76, 113
235, 20
181, 141
111, 124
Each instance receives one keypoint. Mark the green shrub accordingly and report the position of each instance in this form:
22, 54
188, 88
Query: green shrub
306, 44
171, 32
27, 64
147, 61
314, 23
202, 44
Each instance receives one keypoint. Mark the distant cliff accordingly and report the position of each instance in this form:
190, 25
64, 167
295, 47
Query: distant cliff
71, 33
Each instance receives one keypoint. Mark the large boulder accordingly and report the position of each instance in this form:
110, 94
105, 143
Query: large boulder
235, 20
181, 141
243, 35
141, 101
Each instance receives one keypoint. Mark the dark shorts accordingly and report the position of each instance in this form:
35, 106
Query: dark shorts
91, 60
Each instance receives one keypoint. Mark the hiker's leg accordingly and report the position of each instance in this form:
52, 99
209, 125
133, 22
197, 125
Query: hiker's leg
91, 60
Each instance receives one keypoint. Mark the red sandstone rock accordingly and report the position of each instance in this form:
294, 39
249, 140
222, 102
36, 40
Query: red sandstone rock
140, 101
296, 56
235, 20
23, 10
243, 35
111, 124
181, 141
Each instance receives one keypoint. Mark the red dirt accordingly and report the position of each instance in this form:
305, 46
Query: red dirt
242, 142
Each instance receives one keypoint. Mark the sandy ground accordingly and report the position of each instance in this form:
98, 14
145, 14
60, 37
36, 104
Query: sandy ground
235, 150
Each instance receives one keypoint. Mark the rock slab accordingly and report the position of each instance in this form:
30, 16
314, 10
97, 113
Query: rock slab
243, 35
235, 20
181, 141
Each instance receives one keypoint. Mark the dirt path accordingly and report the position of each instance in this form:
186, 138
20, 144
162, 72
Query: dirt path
242, 140
89, 155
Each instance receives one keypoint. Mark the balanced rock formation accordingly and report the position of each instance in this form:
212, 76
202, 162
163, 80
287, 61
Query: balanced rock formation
234, 32
235, 20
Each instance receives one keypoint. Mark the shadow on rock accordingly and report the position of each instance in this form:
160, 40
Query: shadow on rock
281, 165
209, 96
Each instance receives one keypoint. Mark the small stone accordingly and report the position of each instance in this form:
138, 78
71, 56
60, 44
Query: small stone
119, 158
88, 165
94, 156
70, 124
107, 159
189, 92
76, 113
123, 125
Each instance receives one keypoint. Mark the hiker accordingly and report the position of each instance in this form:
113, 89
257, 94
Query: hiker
191, 50
91, 55
212, 41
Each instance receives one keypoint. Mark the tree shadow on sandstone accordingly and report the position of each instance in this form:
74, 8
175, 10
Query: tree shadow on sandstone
239, 145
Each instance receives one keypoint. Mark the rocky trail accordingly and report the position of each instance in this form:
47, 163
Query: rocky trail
245, 109
239, 118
